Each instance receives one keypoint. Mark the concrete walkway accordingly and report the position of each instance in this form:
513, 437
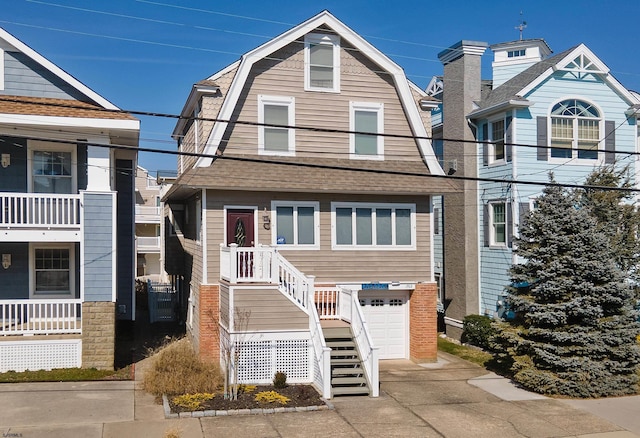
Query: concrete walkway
452, 398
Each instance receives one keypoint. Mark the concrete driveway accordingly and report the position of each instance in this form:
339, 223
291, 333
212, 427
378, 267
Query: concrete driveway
452, 398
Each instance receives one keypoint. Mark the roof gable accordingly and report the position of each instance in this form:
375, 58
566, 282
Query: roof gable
17, 45
322, 19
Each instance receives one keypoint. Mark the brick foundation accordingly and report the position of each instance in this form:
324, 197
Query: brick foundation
208, 315
423, 323
98, 335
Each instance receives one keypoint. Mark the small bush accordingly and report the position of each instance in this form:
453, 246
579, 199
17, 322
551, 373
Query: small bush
477, 330
177, 369
271, 397
192, 402
280, 380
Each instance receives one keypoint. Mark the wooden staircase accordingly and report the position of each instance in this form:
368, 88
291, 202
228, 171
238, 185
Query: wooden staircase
347, 374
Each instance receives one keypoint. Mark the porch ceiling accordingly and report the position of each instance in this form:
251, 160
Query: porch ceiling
295, 174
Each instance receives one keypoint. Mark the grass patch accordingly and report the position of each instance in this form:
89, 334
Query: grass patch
177, 370
65, 375
470, 354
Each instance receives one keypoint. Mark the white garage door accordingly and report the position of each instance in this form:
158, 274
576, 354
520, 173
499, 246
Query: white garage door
386, 314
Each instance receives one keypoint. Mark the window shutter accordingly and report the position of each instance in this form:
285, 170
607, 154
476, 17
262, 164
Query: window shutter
609, 141
485, 225
485, 145
543, 142
509, 225
508, 137
523, 209
436, 221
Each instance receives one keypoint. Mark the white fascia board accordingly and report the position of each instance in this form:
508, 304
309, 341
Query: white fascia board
504, 106
70, 122
66, 77
323, 18
187, 109
224, 71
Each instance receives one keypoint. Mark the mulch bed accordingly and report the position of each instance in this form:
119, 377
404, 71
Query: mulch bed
299, 395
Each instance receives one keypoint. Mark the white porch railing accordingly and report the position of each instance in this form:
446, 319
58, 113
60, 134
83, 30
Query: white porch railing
321, 353
339, 303
145, 242
146, 213
40, 317
240, 264
39, 210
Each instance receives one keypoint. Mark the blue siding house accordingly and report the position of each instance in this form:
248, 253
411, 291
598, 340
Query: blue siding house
66, 216
539, 113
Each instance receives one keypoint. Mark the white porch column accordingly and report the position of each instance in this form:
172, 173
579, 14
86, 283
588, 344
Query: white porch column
98, 168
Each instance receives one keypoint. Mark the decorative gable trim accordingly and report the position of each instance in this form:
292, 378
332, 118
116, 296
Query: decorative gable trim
323, 18
564, 64
66, 77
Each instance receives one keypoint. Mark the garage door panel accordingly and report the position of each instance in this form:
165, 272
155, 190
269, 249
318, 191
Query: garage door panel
386, 315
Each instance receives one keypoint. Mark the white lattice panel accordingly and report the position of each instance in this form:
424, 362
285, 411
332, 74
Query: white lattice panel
40, 355
260, 359
292, 358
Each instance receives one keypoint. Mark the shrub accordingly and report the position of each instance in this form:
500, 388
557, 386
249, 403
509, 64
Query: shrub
271, 397
477, 330
280, 380
192, 402
177, 369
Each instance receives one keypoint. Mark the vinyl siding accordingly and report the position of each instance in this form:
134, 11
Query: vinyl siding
282, 74
14, 177
24, 77
15, 280
495, 262
327, 265
98, 246
269, 310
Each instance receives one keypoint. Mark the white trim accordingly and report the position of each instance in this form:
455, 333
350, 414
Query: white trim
323, 18
57, 71
371, 107
295, 205
322, 39
114, 249
289, 103
70, 122
241, 207
2, 69
32, 269
492, 161
492, 233
373, 206
203, 231
581, 50
38, 145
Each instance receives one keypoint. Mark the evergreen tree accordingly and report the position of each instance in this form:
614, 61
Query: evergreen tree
616, 214
576, 329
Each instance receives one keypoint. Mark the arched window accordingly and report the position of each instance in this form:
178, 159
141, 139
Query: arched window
575, 130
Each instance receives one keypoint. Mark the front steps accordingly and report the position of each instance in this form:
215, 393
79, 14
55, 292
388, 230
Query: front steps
347, 373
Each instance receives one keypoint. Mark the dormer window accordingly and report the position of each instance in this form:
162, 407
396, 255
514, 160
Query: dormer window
322, 62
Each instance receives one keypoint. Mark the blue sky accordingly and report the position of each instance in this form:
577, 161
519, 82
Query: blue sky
145, 55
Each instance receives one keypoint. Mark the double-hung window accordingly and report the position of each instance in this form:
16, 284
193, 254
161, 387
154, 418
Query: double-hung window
275, 116
373, 226
53, 270
497, 140
366, 123
575, 130
498, 221
296, 224
52, 168
322, 62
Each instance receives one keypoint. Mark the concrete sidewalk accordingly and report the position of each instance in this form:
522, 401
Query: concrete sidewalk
452, 398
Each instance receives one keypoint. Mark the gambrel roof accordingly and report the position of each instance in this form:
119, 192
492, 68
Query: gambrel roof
323, 19
513, 92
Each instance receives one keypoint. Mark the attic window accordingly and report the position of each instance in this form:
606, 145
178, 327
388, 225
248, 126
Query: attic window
322, 62
516, 53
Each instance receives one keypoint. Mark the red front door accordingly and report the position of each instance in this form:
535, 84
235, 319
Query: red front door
240, 227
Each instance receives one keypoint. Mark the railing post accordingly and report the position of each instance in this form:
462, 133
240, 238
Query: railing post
233, 261
375, 373
326, 372
275, 266
311, 291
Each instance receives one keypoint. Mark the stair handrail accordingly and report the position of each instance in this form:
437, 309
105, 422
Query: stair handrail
368, 351
322, 353
293, 283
